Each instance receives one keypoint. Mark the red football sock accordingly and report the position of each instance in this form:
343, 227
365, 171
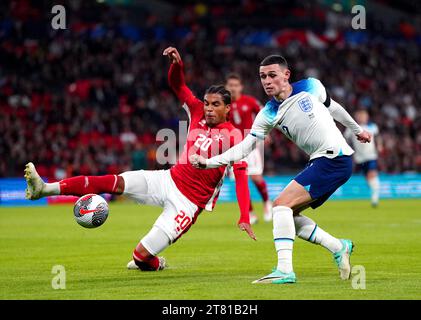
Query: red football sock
263, 189
145, 263
81, 185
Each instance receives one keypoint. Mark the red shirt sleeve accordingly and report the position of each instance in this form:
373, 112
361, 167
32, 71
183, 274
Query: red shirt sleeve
241, 180
236, 136
178, 85
242, 191
256, 105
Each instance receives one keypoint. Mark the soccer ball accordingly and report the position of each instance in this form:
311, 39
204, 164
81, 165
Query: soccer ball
91, 210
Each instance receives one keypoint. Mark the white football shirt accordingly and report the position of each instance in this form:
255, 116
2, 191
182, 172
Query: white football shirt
364, 151
304, 119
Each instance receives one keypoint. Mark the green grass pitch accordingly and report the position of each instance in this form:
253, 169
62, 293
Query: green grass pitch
214, 260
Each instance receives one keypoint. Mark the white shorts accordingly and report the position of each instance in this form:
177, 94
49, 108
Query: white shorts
179, 212
254, 162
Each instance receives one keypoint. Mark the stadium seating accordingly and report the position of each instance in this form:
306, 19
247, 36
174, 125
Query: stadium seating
90, 99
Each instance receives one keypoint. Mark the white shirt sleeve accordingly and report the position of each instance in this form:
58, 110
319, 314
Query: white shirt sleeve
341, 115
336, 110
234, 154
262, 124
348, 134
261, 127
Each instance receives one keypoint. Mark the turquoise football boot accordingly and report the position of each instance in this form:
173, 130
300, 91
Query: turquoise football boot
277, 277
343, 259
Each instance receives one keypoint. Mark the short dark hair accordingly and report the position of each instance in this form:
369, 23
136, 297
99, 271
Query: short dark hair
274, 59
220, 89
233, 75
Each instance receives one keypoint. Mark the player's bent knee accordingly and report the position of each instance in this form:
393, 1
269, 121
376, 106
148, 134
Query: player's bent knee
293, 196
372, 174
283, 201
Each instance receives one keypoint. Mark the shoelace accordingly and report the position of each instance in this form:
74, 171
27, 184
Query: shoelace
338, 257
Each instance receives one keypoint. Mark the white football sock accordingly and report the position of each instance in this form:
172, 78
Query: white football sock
284, 235
308, 230
51, 189
374, 184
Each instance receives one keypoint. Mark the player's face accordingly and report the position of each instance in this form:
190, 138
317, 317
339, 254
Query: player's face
361, 117
235, 87
215, 109
274, 79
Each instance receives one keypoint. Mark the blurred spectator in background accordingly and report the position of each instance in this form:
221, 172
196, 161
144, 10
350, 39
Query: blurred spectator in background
90, 99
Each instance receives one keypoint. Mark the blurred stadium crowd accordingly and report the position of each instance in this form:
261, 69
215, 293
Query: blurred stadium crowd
90, 99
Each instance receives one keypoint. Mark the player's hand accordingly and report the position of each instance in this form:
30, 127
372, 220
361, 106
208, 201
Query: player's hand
172, 54
247, 228
197, 161
364, 137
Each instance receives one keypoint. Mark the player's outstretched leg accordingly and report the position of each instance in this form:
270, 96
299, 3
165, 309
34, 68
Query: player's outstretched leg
284, 234
36, 187
293, 196
341, 249
76, 186
145, 255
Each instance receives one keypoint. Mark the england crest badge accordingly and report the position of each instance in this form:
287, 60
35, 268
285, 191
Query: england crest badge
305, 104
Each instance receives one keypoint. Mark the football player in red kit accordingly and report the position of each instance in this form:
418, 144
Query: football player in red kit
243, 110
183, 191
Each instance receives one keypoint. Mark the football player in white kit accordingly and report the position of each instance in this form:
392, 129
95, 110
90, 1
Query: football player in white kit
365, 155
305, 113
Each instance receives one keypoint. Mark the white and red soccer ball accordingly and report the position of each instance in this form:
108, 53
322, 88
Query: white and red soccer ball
91, 210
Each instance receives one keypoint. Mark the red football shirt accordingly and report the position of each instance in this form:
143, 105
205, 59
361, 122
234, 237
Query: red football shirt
200, 186
243, 111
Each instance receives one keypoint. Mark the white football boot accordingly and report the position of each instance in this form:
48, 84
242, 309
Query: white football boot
132, 265
35, 185
267, 214
253, 218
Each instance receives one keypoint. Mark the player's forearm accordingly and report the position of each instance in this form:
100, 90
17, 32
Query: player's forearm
176, 76
242, 191
236, 153
341, 115
178, 84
